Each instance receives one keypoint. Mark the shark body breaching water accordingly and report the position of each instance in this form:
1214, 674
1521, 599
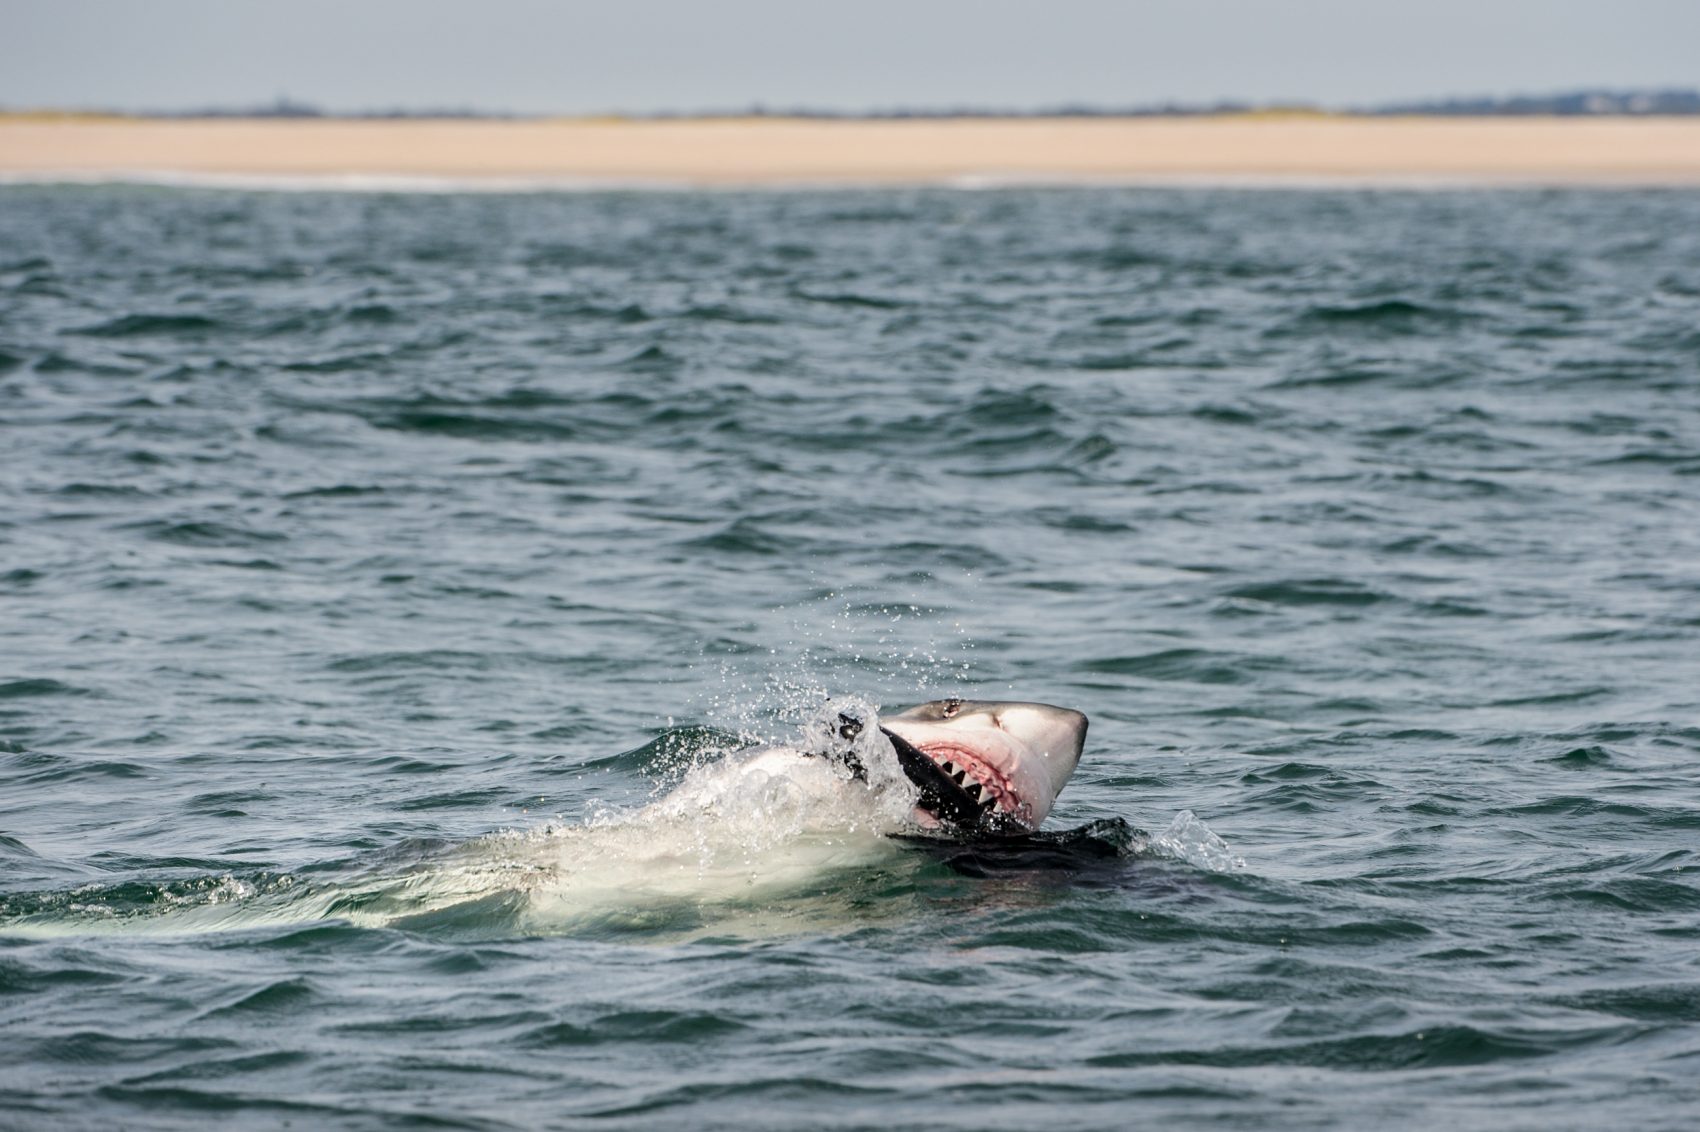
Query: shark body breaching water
743, 832
765, 820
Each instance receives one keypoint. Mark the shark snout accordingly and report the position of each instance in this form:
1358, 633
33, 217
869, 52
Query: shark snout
1055, 737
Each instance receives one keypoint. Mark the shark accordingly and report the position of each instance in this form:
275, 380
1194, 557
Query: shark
958, 768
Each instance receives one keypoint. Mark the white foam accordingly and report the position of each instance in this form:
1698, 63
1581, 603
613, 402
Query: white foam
734, 835
753, 827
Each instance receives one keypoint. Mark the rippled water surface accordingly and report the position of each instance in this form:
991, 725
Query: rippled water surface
368, 560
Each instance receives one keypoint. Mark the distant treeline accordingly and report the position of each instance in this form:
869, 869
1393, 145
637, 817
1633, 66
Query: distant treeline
1570, 104
1575, 103
290, 108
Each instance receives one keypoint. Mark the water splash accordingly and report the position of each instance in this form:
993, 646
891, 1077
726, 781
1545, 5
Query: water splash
1188, 839
903, 651
738, 833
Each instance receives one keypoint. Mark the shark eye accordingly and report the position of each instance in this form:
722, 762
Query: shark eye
952, 706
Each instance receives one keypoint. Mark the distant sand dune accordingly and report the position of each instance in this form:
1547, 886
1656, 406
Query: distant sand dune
794, 151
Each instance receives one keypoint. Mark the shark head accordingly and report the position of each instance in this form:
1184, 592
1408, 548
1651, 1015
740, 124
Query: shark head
986, 766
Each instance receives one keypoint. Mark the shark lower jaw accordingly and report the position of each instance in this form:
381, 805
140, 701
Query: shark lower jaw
943, 799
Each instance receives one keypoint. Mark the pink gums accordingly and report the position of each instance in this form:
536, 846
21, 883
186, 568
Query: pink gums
990, 778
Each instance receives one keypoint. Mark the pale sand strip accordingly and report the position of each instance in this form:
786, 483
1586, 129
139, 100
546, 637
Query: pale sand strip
781, 151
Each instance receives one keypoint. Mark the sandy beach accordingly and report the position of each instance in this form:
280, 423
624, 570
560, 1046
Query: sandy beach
794, 151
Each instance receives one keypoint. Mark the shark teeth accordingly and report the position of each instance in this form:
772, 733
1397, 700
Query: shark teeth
981, 792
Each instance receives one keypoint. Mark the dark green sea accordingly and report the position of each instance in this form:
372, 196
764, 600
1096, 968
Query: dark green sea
372, 564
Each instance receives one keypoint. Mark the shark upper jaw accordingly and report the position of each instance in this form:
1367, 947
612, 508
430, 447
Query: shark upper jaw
990, 766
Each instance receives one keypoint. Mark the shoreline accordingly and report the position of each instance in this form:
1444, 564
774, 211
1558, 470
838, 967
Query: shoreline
451, 154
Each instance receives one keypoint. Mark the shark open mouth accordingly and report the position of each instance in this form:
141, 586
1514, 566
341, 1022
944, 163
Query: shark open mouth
983, 782
960, 788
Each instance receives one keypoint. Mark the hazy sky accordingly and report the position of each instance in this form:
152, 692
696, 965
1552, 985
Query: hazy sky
643, 55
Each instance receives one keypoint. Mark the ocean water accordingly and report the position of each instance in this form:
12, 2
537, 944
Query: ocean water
374, 564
